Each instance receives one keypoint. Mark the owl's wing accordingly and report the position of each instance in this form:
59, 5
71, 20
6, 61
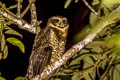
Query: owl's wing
41, 54
41, 60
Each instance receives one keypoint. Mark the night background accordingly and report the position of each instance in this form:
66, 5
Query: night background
17, 62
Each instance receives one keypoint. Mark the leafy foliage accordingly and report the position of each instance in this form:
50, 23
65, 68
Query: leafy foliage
67, 3
19, 78
5, 29
100, 59
17, 43
110, 4
1, 78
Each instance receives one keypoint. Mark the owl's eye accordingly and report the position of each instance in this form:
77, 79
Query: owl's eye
54, 20
65, 22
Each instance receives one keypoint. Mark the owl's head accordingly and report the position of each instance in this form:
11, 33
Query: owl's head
58, 23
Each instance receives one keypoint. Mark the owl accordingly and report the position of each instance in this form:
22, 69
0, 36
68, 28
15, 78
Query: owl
49, 45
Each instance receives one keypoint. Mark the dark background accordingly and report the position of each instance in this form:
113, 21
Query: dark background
17, 62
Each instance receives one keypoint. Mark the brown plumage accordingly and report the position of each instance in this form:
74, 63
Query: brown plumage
48, 46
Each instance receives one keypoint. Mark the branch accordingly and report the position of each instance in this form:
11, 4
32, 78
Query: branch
7, 10
25, 10
33, 13
105, 21
19, 7
20, 22
76, 48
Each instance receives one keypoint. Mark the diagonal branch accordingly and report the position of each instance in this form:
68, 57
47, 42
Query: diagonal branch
22, 24
7, 10
105, 21
87, 4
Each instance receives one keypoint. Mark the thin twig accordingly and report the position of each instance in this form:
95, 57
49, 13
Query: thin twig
25, 10
87, 4
101, 78
19, 7
3, 7
98, 73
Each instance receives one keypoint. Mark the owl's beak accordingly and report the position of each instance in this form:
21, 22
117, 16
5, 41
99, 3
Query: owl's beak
62, 25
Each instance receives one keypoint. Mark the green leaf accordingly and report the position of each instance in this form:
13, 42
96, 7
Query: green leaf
95, 46
110, 4
12, 7
77, 76
87, 77
106, 77
13, 32
67, 70
19, 78
106, 10
67, 3
93, 18
83, 51
4, 48
116, 72
6, 27
5, 52
97, 49
1, 78
77, 66
88, 62
110, 74
3, 42
17, 43
117, 59
90, 75
95, 2
114, 40
75, 61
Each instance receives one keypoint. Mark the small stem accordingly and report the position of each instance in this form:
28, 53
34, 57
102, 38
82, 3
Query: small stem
97, 68
19, 7
102, 77
26, 10
33, 13
3, 7
87, 4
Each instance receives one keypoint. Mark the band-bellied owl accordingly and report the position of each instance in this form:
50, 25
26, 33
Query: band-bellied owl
48, 46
